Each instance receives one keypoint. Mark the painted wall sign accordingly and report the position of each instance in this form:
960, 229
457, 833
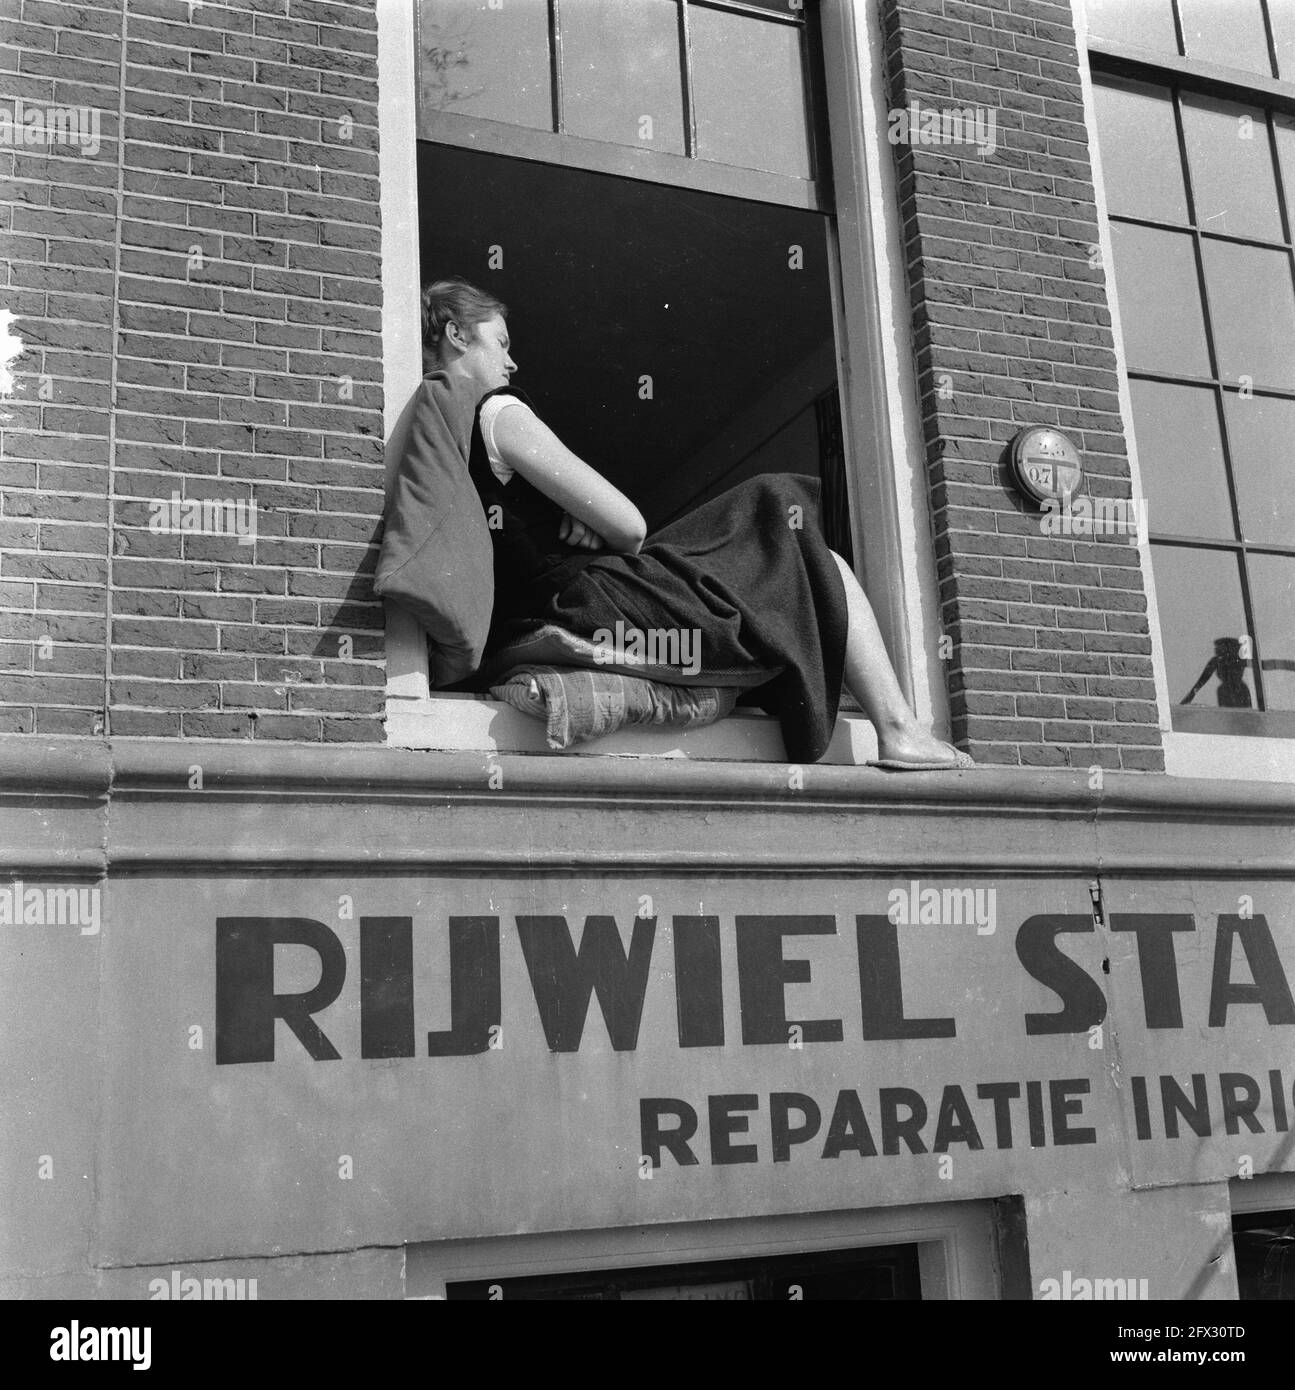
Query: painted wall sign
320, 1063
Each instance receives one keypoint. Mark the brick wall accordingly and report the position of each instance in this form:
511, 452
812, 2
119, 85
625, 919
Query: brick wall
199, 307
1051, 654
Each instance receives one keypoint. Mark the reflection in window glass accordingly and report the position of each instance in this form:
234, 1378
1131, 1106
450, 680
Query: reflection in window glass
1202, 620
1262, 434
1159, 299
1232, 168
621, 72
1146, 23
1252, 310
490, 63
1141, 169
1272, 596
1264, 1244
748, 92
1227, 32
1180, 458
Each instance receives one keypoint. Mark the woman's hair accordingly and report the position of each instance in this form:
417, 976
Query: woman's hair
454, 301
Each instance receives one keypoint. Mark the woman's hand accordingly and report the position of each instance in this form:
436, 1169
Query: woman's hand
576, 533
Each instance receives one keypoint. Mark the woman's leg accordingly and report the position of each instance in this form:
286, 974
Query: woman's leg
871, 680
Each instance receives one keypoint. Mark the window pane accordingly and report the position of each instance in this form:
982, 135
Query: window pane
492, 63
748, 92
1272, 594
1148, 23
1262, 434
1141, 167
1232, 168
1198, 593
1228, 32
1252, 310
621, 76
1160, 302
1285, 128
1180, 457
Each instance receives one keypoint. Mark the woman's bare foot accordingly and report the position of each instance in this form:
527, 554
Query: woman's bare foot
914, 748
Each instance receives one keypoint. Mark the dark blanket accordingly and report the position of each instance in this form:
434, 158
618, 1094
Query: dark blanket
747, 574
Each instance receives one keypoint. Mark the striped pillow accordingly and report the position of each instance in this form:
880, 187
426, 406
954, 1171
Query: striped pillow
579, 705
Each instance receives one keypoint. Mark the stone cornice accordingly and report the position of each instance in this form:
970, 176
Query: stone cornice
79, 806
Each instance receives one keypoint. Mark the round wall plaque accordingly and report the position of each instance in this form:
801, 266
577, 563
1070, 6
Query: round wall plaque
1046, 464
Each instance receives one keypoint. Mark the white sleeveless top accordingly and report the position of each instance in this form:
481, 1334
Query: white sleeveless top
489, 412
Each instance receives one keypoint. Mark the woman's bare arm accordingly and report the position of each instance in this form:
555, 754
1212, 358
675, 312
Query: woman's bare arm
527, 444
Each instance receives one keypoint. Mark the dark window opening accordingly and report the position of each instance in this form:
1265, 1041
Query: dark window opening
1264, 1242
678, 341
881, 1274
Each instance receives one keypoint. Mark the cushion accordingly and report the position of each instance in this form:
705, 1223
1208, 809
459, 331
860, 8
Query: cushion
579, 705
437, 559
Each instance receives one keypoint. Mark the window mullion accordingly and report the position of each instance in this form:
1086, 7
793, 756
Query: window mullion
685, 86
555, 67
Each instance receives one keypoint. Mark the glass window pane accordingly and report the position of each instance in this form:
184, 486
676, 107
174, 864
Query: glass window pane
1261, 430
621, 75
1202, 621
492, 63
1146, 23
1252, 310
1232, 168
1228, 32
1285, 129
1180, 457
1160, 302
1141, 168
1272, 595
749, 92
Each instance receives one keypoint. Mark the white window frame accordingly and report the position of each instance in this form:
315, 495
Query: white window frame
955, 1240
1229, 756
880, 419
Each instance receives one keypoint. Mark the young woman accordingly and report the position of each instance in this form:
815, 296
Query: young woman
749, 571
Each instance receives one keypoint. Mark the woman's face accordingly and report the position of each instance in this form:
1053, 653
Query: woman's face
486, 359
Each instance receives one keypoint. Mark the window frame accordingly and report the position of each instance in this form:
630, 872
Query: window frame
687, 170
957, 1247
1194, 748
880, 421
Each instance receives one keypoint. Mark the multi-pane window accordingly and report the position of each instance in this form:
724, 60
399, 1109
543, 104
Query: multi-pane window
1252, 36
1200, 191
718, 84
